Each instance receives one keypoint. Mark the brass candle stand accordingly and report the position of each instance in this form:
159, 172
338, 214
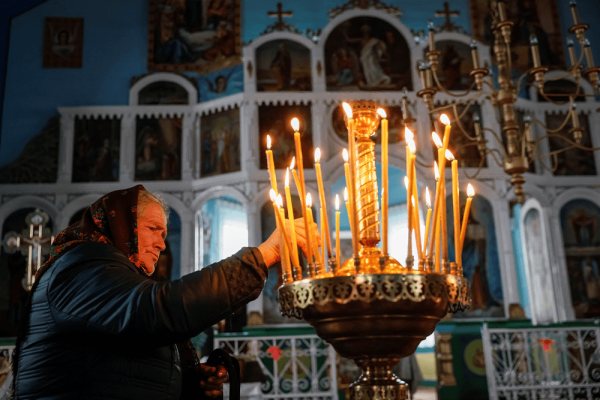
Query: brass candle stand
377, 314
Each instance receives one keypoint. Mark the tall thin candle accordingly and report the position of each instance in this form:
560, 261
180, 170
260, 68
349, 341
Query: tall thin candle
427, 221
350, 200
455, 209
324, 220
463, 230
337, 232
288, 198
271, 166
384, 176
297, 140
309, 233
281, 227
352, 186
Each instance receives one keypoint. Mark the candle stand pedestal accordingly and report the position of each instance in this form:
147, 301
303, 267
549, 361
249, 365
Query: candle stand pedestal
375, 319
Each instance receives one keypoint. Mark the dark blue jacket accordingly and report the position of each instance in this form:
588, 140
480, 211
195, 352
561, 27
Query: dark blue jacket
100, 329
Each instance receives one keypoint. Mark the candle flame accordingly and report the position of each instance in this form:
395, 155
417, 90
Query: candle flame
436, 171
381, 112
436, 140
308, 200
279, 201
470, 190
411, 144
317, 155
445, 120
272, 195
337, 202
293, 163
295, 124
345, 155
347, 109
449, 155
346, 194
269, 142
287, 177
408, 134
427, 197
406, 181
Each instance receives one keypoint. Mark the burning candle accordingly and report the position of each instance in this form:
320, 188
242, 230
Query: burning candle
288, 198
348, 210
437, 210
415, 194
427, 221
409, 215
384, 176
271, 165
463, 230
281, 227
446, 121
285, 251
309, 233
349, 200
437, 223
296, 127
296, 180
324, 220
352, 185
322, 216
337, 232
455, 207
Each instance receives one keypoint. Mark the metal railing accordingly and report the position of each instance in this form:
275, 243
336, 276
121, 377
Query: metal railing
545, 362
294, 367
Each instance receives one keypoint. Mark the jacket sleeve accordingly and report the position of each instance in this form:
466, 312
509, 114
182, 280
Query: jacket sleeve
104, 297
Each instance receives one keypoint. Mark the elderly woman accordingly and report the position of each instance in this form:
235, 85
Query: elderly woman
97, 325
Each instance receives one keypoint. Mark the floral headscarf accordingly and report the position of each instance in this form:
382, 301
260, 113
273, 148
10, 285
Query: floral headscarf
112, 219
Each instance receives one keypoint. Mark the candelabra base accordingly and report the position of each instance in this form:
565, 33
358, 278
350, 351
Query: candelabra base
378, 382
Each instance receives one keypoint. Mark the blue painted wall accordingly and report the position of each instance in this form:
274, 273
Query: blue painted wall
115, 46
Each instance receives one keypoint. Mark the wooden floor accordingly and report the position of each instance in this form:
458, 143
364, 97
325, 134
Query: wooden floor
425, 393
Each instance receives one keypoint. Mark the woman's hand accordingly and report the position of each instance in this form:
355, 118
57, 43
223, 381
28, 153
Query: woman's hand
212, 379
270, 248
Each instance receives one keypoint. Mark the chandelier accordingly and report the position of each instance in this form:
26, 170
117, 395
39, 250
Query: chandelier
516, 147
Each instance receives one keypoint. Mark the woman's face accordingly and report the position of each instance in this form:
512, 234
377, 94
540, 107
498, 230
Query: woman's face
152, 231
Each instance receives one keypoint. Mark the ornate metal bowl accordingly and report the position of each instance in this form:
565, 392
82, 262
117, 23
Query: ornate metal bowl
375, 319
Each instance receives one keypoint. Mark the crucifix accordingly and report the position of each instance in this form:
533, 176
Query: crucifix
448, 25
280, 14
34, 243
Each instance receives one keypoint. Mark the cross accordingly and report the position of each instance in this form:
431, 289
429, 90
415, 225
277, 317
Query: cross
279, 14
448, 25
34, 242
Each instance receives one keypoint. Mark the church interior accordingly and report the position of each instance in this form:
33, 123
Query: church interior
195, 98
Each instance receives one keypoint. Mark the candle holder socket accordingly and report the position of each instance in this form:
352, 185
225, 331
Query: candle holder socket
410, 262
332, 265
446, 267
453, 268
422, 264
429, 264
311, 270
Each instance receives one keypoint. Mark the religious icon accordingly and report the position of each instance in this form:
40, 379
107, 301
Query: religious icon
395, 129
455, 64
538, 17
463, 148
283, 65
158, 149
96, 150
366, 53
580, 220
63, 43
573, 161
481, 263
163, 92
197, 35
220, 143
275, 121
221, 83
